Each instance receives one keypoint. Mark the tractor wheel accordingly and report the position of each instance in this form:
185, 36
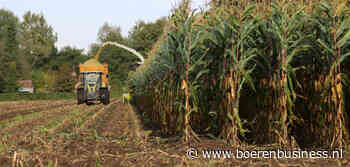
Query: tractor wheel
107, 98
80, 96
104, 96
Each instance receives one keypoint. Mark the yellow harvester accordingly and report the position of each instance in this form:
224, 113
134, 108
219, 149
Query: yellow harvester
93, 82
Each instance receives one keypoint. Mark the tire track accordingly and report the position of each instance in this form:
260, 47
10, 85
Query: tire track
93, 120
121, 118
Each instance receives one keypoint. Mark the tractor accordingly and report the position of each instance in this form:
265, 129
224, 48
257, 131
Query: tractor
93, 83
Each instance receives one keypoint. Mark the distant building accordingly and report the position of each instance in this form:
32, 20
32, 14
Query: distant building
25, 86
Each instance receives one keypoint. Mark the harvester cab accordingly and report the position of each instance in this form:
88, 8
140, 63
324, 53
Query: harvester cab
93, 82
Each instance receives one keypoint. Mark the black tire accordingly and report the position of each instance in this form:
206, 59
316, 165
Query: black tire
104, 96
80, 96
107, 98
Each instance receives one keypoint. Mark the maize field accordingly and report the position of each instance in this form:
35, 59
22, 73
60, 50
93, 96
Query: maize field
252, 72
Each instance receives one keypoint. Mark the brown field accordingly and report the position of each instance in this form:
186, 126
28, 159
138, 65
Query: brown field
61, 133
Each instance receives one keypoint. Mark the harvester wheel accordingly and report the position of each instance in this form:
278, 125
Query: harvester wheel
105, 96
80, 96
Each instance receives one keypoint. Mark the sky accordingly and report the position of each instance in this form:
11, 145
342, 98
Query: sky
77, 22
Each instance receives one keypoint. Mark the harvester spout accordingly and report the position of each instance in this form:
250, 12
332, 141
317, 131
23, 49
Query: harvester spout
121, 46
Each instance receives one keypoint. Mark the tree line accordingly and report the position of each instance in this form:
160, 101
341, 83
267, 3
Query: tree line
28, 52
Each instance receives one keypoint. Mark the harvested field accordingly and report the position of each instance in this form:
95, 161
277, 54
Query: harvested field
61, 133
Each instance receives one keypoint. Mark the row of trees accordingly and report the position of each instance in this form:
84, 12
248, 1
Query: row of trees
28, 52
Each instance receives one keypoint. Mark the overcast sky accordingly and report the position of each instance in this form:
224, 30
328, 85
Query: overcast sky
77, 21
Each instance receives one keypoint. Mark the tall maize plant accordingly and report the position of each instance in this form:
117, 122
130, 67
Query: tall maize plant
188, 38
180, 66
231, 37
286, 26
333, 23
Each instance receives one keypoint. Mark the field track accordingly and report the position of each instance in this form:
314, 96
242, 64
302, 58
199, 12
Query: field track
62, 133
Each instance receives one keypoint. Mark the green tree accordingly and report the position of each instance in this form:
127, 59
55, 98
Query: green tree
57, 73
144, 35
8, 51
37, 38
64, 79
109, 33
8, 32
67, 54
